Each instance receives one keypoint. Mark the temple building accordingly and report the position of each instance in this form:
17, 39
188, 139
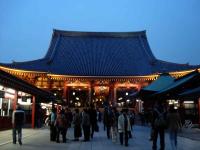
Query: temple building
95, 67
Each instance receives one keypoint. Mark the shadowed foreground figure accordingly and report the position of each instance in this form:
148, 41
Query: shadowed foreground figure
159, 125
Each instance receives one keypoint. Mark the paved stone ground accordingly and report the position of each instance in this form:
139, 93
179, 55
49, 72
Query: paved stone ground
34, 139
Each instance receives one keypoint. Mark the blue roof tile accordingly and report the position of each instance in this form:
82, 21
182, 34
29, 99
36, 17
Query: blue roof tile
99, 54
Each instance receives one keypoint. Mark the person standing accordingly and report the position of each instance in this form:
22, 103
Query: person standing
114, 124
124, 127
67, 120
93, 119
174, 123
107, 120
61, 124
86, 124
77, 125
132, 118
52, 125
18, 120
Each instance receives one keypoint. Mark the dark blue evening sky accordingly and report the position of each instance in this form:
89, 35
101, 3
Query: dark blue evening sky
173, 26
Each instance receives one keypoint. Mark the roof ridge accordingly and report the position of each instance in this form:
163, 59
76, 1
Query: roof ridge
99, 34
21, 62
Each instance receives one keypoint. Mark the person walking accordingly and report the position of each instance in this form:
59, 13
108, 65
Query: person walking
174, 123
159, 125
124, 127
18, 120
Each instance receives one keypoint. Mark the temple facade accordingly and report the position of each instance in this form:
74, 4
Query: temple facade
95, 67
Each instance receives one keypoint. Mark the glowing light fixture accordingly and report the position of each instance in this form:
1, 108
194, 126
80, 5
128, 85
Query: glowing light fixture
9, 90
188, 102
120, 98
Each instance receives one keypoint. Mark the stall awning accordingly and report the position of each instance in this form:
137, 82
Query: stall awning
163, 81
179, 84
160, 83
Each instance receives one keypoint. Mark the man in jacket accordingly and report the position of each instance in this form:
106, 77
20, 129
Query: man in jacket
18, 120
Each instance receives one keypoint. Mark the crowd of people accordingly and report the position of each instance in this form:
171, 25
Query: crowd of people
118, 125
83, 122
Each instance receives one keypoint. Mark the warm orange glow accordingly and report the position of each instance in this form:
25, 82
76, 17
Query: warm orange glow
126, 85
101, 90
19, 70
102, 79
74, 84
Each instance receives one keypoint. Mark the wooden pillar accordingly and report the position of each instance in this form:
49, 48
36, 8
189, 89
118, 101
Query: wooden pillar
15, 100
50, 82
33, 113
90, 95
68, 91
65, 93
115, 96
112, 94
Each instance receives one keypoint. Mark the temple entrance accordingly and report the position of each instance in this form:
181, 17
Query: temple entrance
100, 95
123, 97
78, 97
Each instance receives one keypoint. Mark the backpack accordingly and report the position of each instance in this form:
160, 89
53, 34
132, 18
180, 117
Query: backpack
160, 121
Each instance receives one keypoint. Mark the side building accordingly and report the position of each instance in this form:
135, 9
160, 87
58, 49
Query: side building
14, 90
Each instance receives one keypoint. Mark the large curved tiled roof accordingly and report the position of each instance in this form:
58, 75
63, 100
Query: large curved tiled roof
99, 54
